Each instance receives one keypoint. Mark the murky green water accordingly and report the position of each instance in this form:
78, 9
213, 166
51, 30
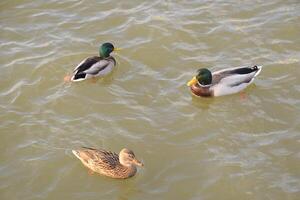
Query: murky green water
223, 148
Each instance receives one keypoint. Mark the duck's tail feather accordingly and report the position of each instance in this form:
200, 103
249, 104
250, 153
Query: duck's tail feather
78, 77
76, 153
246, 70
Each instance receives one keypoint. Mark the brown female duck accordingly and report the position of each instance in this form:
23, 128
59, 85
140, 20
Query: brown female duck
109, 163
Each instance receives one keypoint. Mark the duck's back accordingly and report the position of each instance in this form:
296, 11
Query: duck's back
233, 80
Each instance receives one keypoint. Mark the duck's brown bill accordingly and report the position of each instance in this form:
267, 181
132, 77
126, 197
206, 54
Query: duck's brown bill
138, 163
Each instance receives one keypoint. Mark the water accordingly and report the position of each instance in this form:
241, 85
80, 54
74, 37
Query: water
223, 148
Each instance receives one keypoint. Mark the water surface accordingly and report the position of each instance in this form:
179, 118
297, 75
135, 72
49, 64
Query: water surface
193, 148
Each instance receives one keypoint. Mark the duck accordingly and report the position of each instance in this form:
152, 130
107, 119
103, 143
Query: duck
95, 66
108, 163
222, 82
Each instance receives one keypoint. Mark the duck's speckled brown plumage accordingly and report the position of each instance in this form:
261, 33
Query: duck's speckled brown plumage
104, 162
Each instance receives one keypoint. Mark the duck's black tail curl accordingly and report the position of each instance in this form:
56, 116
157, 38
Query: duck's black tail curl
246, 70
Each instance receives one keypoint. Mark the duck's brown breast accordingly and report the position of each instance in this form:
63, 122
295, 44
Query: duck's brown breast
200, 91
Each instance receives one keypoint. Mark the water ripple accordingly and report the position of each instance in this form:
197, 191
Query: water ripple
195, 148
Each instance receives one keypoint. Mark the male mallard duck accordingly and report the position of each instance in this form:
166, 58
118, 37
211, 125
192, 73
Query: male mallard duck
223, 82
97, 65
108, 163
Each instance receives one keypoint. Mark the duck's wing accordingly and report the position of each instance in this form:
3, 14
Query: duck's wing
86, 64
98, 67
235, 76
233, 80
98, 157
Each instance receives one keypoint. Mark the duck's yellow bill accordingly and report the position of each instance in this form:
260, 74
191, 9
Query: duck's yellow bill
117, 49
192, 82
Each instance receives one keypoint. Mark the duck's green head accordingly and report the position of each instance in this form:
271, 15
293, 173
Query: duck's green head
203, 78
105, 49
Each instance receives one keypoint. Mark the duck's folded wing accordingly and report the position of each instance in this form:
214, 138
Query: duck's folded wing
106, 159
97, 67
235, 76
86, 64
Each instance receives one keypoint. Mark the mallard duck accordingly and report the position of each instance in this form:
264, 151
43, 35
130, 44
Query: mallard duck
109, 163
95, 66
223, 82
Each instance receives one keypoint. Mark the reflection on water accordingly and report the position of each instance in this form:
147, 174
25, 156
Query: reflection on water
232, 147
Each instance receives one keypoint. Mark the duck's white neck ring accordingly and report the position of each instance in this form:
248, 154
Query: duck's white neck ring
203, 85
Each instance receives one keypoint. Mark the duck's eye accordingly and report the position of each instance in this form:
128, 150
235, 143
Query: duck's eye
131, 156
